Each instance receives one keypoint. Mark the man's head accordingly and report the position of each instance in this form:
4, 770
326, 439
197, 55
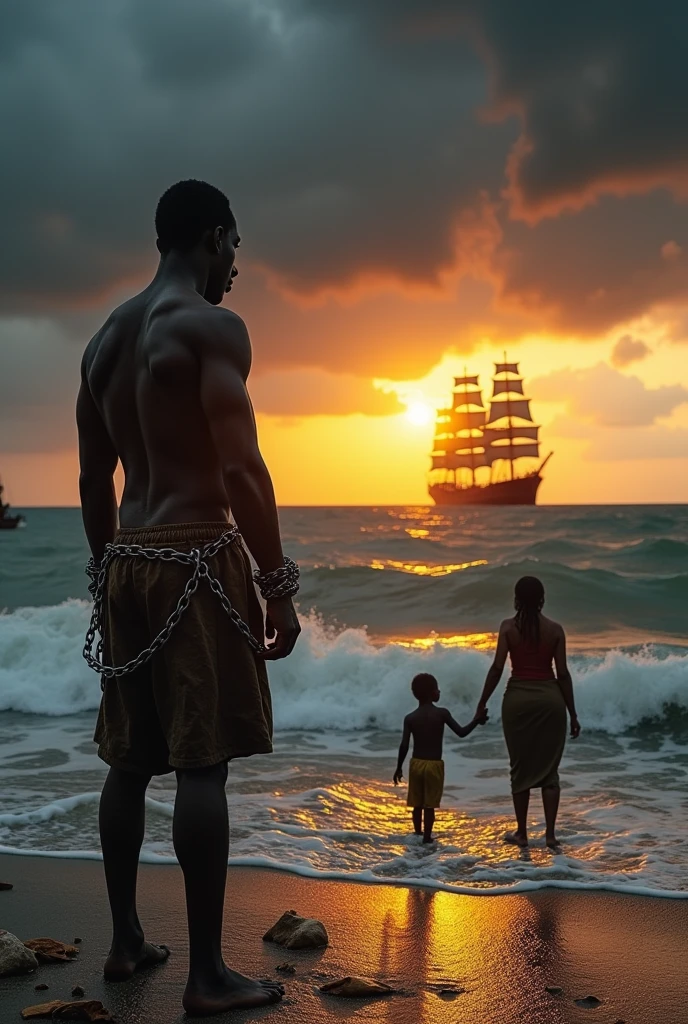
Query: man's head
193, 217
425, 688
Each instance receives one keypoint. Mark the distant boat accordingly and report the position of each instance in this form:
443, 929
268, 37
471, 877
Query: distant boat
8, 522
475, 450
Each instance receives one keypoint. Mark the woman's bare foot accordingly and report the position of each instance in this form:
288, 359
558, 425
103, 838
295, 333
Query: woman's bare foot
516, 839
553, 844
231, 991
122, 964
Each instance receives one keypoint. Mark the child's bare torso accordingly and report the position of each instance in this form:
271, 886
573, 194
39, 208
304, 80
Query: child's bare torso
427, 729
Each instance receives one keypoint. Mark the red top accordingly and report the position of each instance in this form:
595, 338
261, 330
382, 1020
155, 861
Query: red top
528, 662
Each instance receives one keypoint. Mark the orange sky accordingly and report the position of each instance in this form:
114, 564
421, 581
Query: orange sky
469, 190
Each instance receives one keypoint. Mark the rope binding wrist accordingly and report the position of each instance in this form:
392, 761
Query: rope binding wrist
282, 582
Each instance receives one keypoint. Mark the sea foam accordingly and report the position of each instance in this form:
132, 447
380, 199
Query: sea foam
337, 679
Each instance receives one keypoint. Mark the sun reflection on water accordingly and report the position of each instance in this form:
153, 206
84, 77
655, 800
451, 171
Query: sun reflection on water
421, 569
475, 641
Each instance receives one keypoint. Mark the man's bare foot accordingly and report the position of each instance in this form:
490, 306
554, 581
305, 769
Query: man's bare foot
516, 839
428, 840
120, 966
553, 843
232, 991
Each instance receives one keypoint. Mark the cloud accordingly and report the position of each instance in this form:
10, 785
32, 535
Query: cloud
606, 398
315, 392
366, 149
629, 350
656, 442
337, 176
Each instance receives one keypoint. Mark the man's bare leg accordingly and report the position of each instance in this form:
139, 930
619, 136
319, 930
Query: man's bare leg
520, 836
122, 819
550, 803
201, 842
417, 816
429, 821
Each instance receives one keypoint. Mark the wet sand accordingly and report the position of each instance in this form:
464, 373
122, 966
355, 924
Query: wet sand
631, 952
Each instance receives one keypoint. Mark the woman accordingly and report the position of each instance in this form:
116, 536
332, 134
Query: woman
534, 705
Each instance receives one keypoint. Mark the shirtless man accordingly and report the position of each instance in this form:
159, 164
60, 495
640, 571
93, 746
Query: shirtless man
163, 390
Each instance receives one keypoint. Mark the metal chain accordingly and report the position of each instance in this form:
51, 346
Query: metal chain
198, 558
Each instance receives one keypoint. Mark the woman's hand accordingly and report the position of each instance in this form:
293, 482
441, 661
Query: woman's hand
480, 715
398, 777
575, 727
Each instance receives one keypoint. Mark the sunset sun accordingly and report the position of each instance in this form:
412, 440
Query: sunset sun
420, 414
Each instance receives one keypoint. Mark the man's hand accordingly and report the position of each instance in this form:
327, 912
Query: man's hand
575, 728
398, 776
481, 716
282, 624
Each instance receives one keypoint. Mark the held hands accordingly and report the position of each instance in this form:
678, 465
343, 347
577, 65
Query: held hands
575, 727
282, 624
481, 716
398, 776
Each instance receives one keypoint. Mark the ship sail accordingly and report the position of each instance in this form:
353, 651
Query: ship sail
501, 442
473, 444
493, 434
510, 407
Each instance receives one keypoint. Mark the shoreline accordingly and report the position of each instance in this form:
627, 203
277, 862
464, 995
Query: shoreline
368, 879
627, 951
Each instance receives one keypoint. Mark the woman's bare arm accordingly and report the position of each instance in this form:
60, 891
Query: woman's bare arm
495, 671
565, 681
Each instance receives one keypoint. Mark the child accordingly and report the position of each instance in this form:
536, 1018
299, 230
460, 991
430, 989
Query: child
426, 773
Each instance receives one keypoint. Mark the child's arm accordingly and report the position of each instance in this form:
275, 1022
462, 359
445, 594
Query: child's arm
403, 751
464, 730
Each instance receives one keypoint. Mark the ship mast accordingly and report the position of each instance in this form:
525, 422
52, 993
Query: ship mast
465, 402
459, 428
507, 382
511, 434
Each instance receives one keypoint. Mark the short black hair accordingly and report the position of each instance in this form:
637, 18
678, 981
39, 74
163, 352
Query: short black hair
423, 686
186, 210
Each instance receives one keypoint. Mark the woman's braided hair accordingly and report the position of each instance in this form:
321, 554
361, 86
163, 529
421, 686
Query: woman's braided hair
529, 597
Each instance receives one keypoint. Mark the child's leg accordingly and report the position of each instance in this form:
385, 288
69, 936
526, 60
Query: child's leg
417, 816
429, 822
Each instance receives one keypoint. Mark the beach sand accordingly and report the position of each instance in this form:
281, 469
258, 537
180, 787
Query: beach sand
631, 952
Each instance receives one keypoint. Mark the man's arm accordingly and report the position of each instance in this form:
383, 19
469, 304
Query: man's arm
97, 463
494, 673
566, 682
403, 751
225, 365
464, 730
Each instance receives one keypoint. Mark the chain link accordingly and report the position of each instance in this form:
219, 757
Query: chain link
198, 558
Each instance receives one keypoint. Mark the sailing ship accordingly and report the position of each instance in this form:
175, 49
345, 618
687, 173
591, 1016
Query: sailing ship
8, 522
477, 450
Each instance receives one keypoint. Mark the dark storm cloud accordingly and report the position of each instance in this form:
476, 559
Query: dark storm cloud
352, 139
338, 160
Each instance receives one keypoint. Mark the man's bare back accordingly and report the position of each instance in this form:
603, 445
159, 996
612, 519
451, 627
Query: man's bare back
146, 371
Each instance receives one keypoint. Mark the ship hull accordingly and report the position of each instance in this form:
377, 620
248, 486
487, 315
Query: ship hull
10, 522
522, 491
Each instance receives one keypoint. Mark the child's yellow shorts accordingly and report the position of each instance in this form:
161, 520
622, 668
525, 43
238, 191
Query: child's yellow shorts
426, 783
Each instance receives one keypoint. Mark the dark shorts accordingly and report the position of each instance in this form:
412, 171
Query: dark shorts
204, 697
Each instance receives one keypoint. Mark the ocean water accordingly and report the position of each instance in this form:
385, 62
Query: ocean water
388, 592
